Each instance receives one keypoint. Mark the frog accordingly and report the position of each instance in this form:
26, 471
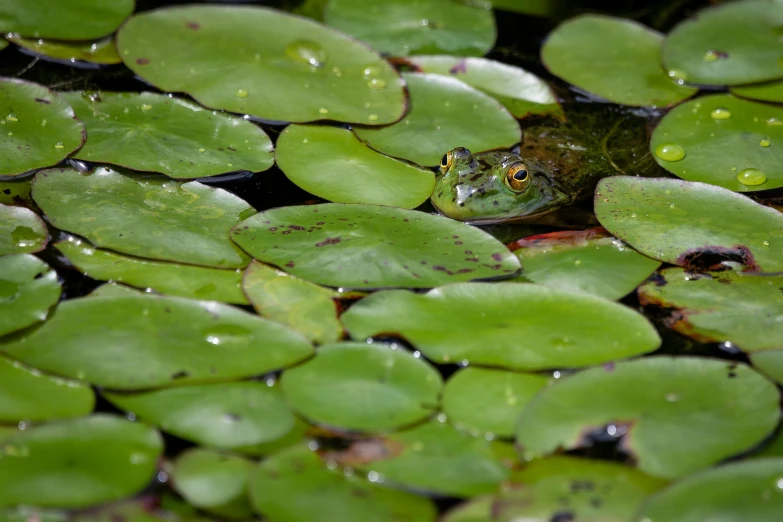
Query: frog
558, 163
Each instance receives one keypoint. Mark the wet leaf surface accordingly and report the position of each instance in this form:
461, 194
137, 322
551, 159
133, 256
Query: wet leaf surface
770, 363
15, 192
28, 288
72, 20
769, 91
96, 51
21, 231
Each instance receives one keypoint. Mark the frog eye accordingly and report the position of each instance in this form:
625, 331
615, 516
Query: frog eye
445, 162
517, 177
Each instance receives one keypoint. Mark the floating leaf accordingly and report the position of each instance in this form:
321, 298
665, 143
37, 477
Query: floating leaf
157, 133
96, 51
27, 513
528, 7
666, 409
512, 325
613, 58
16, 192
149, 341
213, 284
367, 246
690, 224
769, 92
78, 463
349, 171
294, 70
28, 288
144, 215
403, 27
39, 128
357, 386
72, 20
770, 362
21, 231
445, 113
166, 508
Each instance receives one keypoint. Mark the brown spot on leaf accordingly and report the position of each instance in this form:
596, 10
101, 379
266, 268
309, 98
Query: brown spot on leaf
193, 25
142, 61
329, 241
459, 67
290, 264
42, 100
711, 258
365, 452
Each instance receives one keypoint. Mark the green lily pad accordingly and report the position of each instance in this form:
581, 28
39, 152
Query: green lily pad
488, 401
28, 288
445, 113
223, 415
72, 20
142, 509
724, 140
721, 306
403, 27
21, 231
214, 482
78, 463
688, 224
157, 133
522, 93
590, 261
294, 70
736, 492
348, 170
364, 387
666, 410
39, 127
769, 362
16, 192
769, 91
368, 246
518, 326
613, 58
148, 341
730, 44
30, 514
144, 215
197, 282
300, 431
112, 289
295, 485
529, 7
95, 51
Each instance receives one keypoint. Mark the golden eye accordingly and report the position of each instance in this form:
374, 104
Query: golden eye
445, 162
517, 177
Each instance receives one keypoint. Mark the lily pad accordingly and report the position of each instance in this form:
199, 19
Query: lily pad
518, 326
590, 261
295, 485
299, 433
726, 141
368, 246
445, 113
613, 58
146, 508
96, 51
16, 191
730, 44
736, 492
529, 7
157, 133
489, 401
294, 70
40, 126
403, 27
144, 215
690, 224
196, 282
522, 93
28, 288
28, 513
223, 415
365, 387
769, 91
148, 341
744, 309
666, 411
78, 463
770, 363
348, 171
72, 20
29, 395
21, 231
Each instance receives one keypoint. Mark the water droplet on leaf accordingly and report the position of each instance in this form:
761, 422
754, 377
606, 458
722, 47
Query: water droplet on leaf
751, 177
670, 152
720, 114
241, 93
305, 51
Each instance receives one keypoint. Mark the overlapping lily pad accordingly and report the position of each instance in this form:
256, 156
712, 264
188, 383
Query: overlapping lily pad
148, 341
613, 58
511, 325
294, 70
666, 411
38, 127
403, 27
347, 170
730, 44
368, 246
722, 140
736, 492
15, 191
590, 261
769, 91
367, 387
295, 485
28, 288
21, 231
196, 282
27, 513
690, 224
72, 20
77, 463
445, 113
144, 215
100, 51
528, 7
156, 133
769, 362
521, 92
